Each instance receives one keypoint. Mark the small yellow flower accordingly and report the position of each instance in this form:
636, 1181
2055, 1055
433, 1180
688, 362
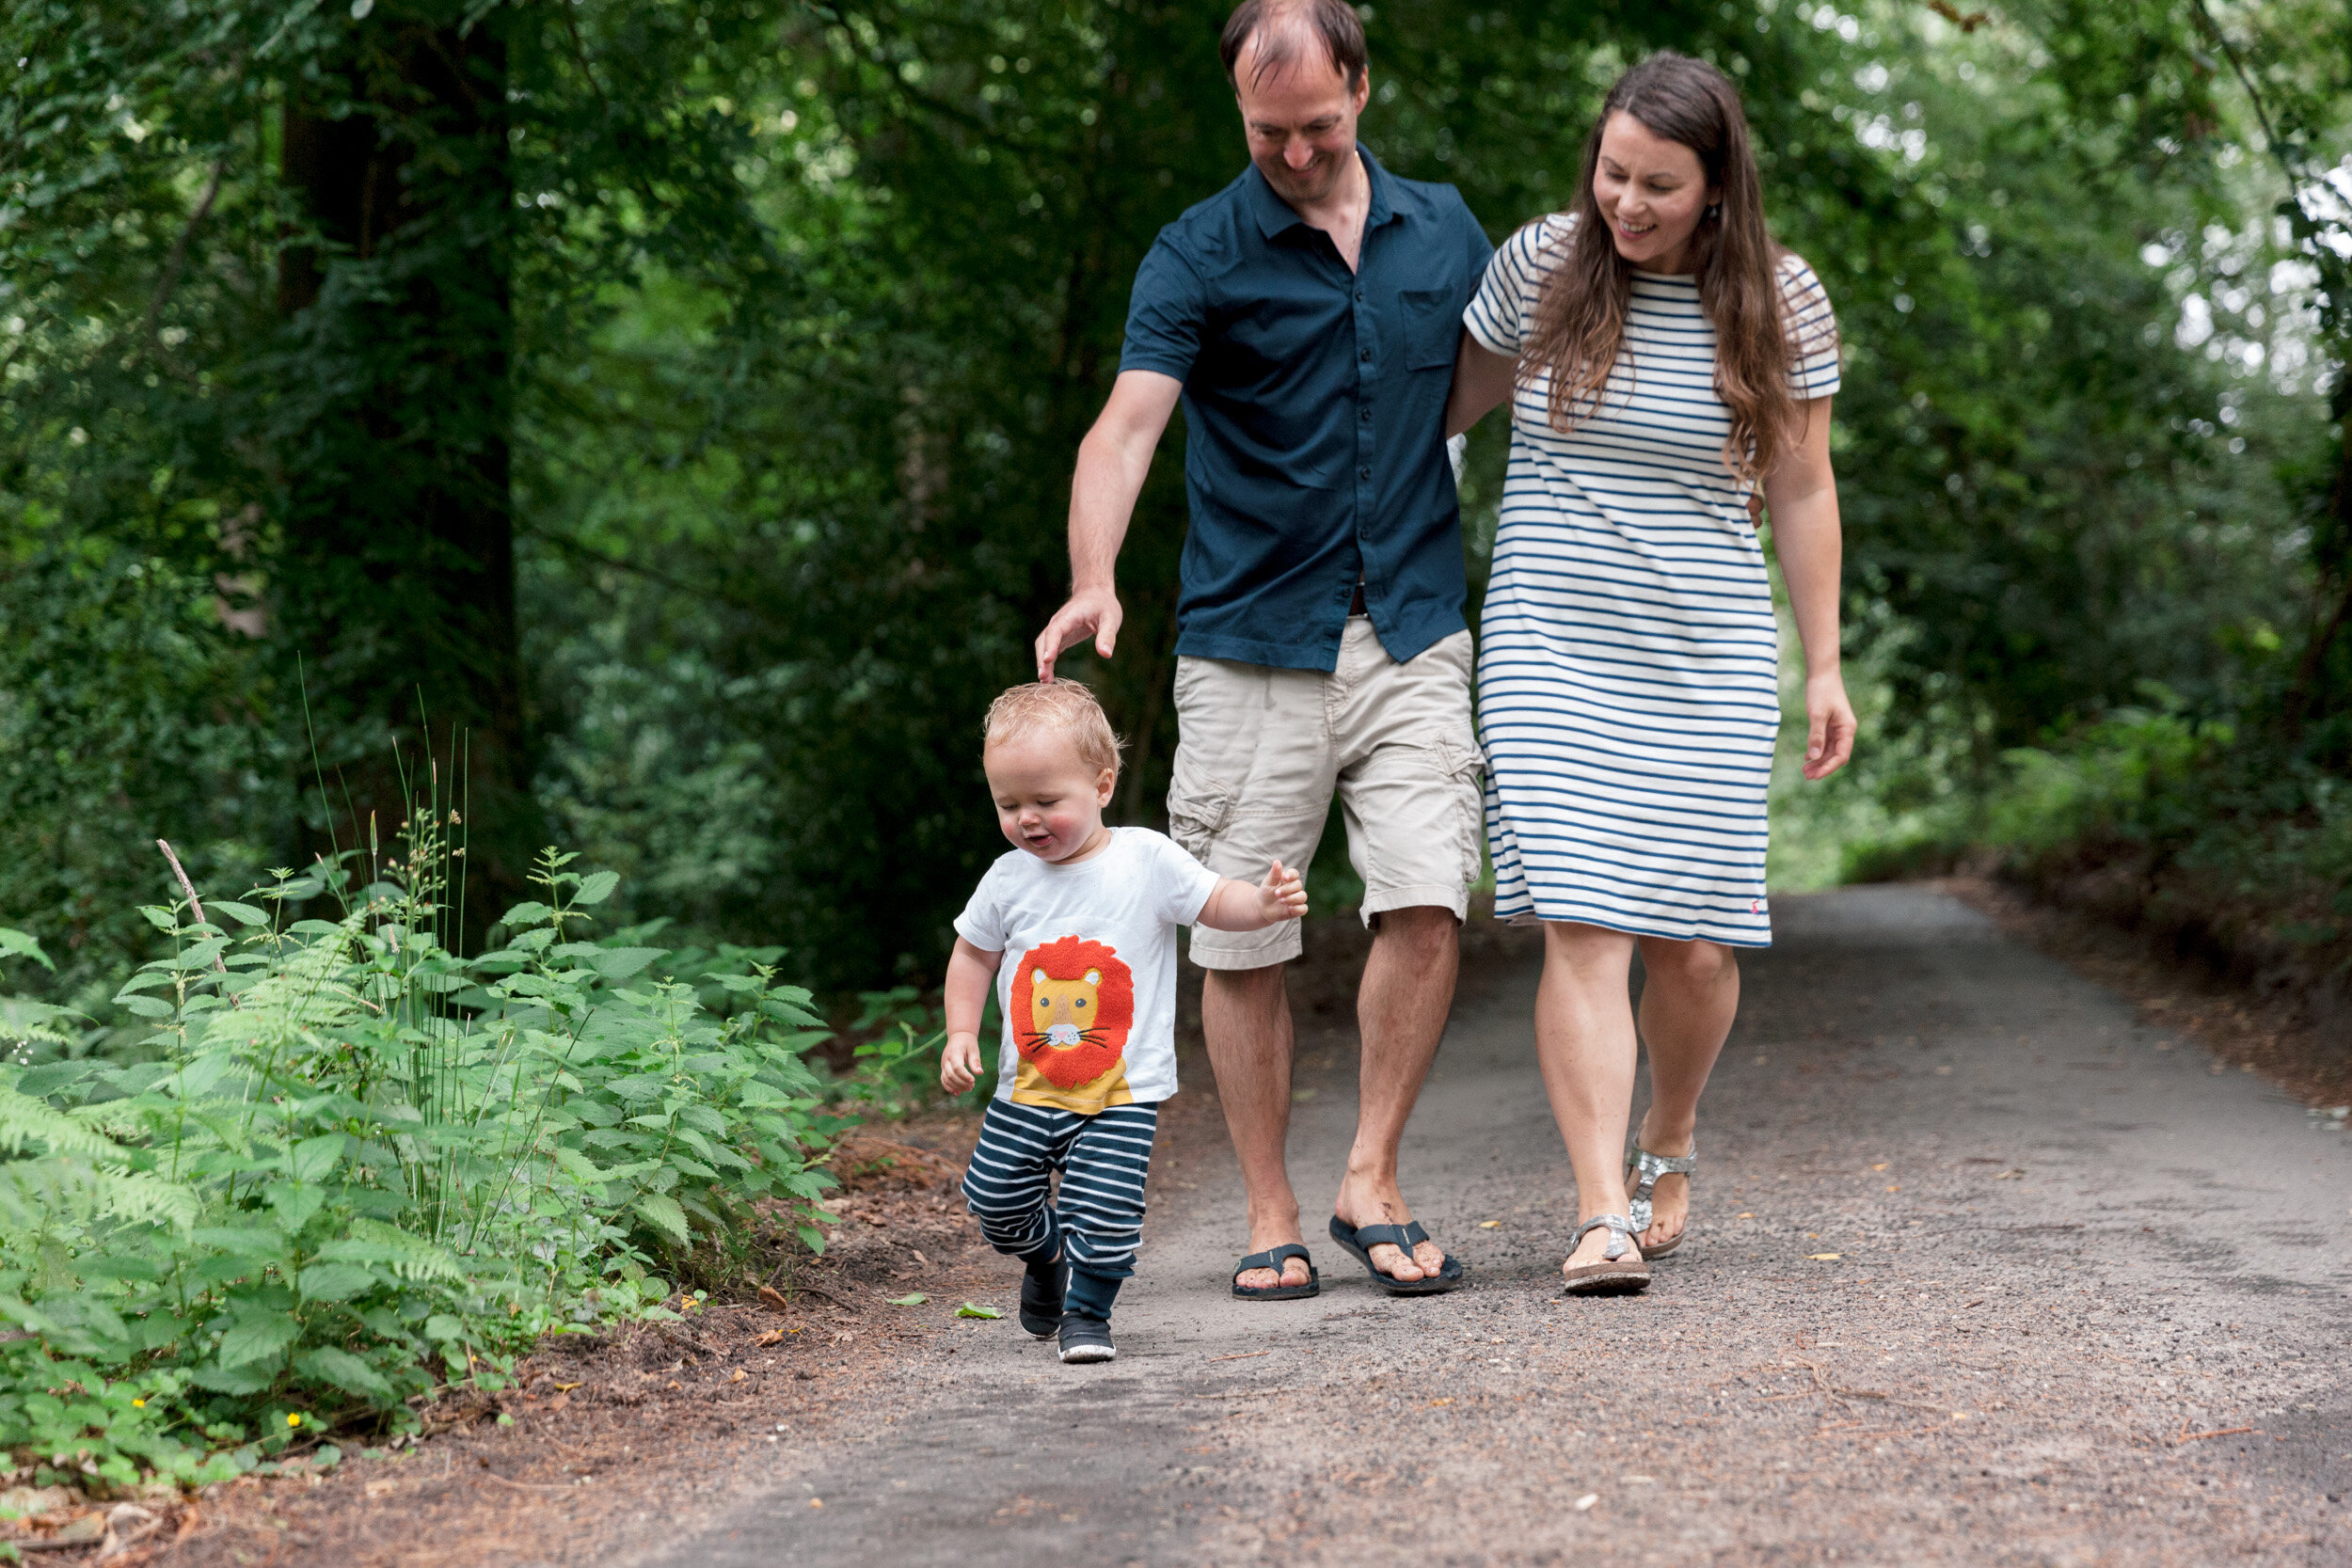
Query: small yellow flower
139, 1405
293, 1420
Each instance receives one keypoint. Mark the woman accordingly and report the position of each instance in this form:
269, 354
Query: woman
1666, 361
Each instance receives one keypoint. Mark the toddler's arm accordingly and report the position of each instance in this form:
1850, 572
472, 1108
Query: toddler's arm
969, 973
1235, 906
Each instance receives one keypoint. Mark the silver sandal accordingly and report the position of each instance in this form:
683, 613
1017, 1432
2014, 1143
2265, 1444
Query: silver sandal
1640, 1163
1612, 1276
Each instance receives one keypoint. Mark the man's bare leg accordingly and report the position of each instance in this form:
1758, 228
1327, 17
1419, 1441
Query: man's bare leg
1401, 1012
1245, 1015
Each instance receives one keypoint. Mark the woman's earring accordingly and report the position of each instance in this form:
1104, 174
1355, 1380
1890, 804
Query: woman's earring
1714, 210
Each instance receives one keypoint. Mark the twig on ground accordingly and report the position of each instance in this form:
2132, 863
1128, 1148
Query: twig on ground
2201, 1436
1245, 1356
1247, 1394
529, 1485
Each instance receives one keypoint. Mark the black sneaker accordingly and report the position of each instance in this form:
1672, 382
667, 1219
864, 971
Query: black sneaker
1084, 1338
1040, 1301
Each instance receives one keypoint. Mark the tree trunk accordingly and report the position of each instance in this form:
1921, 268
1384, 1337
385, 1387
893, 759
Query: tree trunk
397, 570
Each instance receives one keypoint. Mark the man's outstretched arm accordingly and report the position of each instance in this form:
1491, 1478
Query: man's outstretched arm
1112, 462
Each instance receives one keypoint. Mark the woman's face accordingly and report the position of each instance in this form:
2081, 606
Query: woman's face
1651, 194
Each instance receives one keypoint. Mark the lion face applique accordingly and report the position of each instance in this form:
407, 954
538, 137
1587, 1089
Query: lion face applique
1072, 1003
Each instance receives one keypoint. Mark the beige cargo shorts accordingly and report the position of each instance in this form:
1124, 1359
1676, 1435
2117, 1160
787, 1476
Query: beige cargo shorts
1261, 750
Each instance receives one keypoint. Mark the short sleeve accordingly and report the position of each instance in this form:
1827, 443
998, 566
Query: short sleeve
1167, 314
1499, 312
982, 922
1813, 369
1182, 883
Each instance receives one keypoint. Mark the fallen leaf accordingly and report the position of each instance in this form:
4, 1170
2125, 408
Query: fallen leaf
773, 1337
968, 1310
1587, 1500
1881, 1165
1488, 1224
919, 1257
1440, 1402
913, 1298
774, 1298
1749, 1215
1825, 1257
1895, 1187
815, 1502
739, 1376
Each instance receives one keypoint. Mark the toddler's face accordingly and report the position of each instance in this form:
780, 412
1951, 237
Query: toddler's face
1048, 801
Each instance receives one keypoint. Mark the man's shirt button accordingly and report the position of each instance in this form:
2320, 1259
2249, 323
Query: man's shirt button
1364, 354
1363, 473
1367, 416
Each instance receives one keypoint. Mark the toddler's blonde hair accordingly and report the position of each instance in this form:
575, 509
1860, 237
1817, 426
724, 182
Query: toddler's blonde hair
1066, 705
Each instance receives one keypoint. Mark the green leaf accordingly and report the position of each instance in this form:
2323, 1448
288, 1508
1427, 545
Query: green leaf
913, 1298
968, 1310
596, 887
314, 1158
16, 944
335, 1281
661, 1212
345, 1371
528, 913
146, 1007
294, 1201
244, 914
619, 964
160, 917
256, 1335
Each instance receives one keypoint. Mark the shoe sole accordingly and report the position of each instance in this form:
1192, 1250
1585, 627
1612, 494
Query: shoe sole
1616, 1282
1080, 1355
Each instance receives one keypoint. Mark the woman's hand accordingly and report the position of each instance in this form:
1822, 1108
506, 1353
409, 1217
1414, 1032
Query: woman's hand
1829, 724
959, 1064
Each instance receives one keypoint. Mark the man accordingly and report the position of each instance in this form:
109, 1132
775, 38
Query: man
1306, 317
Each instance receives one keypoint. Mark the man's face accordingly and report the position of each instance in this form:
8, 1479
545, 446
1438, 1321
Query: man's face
1300, 117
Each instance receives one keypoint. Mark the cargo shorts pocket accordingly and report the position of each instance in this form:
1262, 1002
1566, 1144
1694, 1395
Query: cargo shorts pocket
1197, 808
1462, 760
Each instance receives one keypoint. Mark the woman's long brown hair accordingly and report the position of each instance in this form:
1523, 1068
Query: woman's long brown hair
1580, 316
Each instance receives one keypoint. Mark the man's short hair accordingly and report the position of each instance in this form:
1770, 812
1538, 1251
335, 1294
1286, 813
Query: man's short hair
1064, 705
1281, 26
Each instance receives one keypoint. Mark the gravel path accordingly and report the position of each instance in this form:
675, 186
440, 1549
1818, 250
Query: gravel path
2052, 1244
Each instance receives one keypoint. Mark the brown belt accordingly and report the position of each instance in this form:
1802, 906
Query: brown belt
1356, 605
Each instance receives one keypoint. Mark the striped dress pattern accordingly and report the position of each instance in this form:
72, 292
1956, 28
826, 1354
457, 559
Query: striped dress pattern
1628, 659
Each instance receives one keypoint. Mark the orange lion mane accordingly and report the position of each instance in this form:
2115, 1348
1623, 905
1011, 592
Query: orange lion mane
1066, 1066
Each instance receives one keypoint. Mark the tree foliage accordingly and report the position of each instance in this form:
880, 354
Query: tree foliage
782, 321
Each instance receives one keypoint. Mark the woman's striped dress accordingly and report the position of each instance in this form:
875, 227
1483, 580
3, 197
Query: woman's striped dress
1628, 662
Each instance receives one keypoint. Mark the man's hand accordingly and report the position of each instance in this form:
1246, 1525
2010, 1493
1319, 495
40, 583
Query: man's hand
1091, 612
1283, 895
959, 1064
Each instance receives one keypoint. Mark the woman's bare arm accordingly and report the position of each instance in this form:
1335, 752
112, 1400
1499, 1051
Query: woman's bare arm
1801, 497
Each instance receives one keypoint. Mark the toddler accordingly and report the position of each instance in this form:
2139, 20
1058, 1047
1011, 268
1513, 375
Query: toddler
1087, 914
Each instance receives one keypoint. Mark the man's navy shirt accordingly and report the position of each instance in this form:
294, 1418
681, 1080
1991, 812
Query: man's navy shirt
1315, 412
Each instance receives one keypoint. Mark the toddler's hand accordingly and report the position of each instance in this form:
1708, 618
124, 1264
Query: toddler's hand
1283, 895
959, 1064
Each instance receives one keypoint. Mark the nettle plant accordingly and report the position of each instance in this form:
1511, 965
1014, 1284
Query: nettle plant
356, 1168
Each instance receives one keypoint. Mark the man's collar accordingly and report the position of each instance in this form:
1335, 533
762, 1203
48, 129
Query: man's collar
1276, 215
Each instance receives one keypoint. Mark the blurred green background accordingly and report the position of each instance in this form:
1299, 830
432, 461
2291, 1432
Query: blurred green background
661, 414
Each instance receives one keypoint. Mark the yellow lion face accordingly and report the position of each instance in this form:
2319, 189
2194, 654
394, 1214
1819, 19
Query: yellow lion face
1064, 1011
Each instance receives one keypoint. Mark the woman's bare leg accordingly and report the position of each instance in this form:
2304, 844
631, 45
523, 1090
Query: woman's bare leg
1690, 994
1585, 1044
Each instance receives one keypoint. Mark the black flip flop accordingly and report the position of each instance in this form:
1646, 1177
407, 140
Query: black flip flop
1361, 1239
1273, 1258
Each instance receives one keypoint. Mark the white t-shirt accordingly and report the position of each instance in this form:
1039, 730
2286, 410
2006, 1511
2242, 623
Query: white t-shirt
1087, 986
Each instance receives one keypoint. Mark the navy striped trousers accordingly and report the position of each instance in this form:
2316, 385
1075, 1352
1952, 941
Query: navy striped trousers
1102, 1160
